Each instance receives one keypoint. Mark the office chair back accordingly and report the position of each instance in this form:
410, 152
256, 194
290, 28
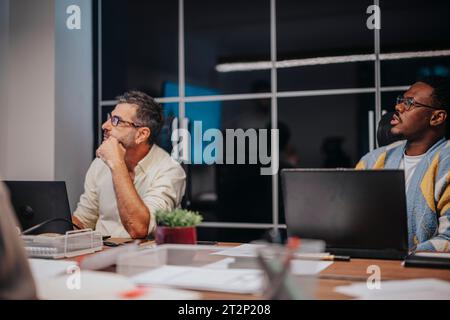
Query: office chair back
384, 135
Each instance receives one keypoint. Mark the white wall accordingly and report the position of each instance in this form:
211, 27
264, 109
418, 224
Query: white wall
46, 113
4, 39
29, 148
73, 99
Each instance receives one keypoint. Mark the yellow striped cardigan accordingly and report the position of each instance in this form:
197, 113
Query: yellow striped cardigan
428, 196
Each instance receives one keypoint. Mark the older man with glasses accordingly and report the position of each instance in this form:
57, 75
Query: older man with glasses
132, 177
424, 154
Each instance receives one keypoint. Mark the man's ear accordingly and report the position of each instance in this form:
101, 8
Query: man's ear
438, 117
143, 135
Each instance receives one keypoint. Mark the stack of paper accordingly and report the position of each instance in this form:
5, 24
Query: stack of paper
419, 289
222, 280
298, 267
245, 250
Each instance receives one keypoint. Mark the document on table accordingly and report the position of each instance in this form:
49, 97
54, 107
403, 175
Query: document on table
221, 264
245, 250
222, 280
96, 285
445, 255
298, 267
307, 267
417, 289
43, 269
250, 250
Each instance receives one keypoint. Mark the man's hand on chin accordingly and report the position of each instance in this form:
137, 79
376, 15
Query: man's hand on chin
112, 152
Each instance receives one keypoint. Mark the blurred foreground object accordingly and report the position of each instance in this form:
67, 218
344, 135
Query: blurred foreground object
16, 281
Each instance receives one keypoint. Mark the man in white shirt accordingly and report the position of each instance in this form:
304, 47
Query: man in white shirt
132, 177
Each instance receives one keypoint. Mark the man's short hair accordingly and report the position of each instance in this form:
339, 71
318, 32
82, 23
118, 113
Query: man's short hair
441, 91
149, 113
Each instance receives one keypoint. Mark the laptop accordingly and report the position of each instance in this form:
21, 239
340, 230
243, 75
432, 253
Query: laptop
360, 213
37, 201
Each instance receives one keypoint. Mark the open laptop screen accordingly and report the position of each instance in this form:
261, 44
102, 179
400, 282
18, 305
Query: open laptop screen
38, 201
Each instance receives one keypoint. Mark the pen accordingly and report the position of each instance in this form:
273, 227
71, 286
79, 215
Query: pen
210, 243
324, 257
337, 258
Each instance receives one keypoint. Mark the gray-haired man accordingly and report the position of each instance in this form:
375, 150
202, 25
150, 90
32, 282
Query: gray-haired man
131, 177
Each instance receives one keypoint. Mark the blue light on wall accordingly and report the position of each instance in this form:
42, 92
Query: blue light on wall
437, 70
209, 113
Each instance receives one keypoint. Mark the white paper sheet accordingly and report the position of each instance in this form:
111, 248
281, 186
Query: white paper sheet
244, 250
94, 285
433, 254
250, 250
221, 264
417, 289
222, 280
43, 269
307, 267
298, 267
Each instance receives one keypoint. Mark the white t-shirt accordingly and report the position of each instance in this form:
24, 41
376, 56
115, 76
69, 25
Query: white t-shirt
409, 164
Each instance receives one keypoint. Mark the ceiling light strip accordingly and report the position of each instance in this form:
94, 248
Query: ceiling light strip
266, 65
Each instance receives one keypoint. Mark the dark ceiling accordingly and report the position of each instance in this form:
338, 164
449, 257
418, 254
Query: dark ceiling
305, 28
140, 38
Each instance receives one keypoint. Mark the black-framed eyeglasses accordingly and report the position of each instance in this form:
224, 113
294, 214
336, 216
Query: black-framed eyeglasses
116, 120
409, 102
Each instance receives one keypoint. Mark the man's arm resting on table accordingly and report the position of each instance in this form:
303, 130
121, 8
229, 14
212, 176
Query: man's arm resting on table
134, 214
77, 222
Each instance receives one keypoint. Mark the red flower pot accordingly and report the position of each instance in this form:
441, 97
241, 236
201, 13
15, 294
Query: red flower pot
184, 235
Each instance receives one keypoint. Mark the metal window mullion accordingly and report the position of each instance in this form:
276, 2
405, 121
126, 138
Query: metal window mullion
274, 112
240, 225
268, 95
371, 130
326, 92
99, 72
181, 65
377, 73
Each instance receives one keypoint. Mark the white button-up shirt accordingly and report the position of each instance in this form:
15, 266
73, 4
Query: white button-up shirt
159, 180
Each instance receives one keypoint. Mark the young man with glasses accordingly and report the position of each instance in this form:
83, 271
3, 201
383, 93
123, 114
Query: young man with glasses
420, 118
132, 177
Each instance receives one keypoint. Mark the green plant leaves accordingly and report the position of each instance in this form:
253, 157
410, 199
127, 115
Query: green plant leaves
178, 218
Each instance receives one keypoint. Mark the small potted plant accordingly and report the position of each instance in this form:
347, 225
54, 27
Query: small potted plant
177, 226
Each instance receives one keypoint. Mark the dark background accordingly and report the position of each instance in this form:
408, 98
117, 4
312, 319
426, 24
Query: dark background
140, 51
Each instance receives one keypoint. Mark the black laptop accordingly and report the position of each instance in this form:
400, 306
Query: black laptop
38, 201
360, 213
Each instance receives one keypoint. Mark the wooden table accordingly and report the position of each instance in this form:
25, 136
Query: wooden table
346, 273
343, 273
